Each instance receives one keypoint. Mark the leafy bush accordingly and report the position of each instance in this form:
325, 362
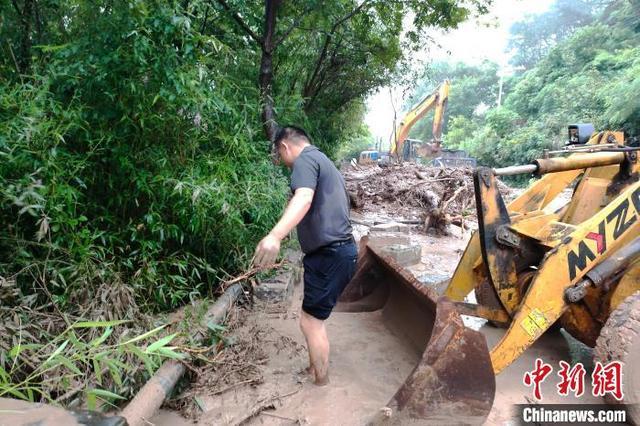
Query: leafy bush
83, 359
123, 165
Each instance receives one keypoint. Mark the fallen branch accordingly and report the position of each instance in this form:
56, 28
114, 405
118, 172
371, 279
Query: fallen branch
248, 274
445, 205
265, 404
235, 385
280, 417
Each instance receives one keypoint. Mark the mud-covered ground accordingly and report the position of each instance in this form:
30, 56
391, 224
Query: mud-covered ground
259, 378
368, 364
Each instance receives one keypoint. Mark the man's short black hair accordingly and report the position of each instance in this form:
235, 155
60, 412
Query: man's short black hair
290, 132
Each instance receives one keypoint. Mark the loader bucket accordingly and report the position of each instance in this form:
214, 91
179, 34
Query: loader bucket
453, 382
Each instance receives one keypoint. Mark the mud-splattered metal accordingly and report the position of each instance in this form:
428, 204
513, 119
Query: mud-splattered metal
453, 379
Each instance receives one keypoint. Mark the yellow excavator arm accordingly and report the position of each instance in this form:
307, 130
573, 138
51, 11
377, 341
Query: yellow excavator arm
436, 100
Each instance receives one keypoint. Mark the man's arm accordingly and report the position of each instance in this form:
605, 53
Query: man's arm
269, 247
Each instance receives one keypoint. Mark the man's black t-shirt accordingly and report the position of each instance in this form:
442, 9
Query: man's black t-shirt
327, 220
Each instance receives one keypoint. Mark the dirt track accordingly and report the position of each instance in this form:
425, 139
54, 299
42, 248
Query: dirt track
367, 364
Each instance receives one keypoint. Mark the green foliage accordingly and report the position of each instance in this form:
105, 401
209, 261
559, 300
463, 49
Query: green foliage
355, 48
532, 38
590, 74
84, 360
134, 173
123, 160
472, 89
353, 145
461, 129
501, 121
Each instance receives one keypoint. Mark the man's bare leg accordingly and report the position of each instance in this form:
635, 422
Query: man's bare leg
315, 334
309, 368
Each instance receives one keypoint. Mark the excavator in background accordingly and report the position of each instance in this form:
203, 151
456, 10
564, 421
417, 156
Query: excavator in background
437, 101
405, 149
531, 267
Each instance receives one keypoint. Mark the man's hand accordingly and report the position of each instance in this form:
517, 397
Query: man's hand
267, 251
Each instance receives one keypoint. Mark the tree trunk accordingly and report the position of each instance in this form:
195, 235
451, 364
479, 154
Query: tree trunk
265, 78
26, 16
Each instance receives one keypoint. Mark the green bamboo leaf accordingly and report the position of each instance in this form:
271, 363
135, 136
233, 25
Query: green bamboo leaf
91, 400
169, 352
97, 370
144, 336
160, 343
99, 340
57, 351
3, 375
70, 365
92, 324
15, 392
146, 359
216, 328
105, 394
73, 339
115, 373
121, 365
17, 349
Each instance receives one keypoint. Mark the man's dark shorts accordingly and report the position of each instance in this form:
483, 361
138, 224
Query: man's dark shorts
326, 273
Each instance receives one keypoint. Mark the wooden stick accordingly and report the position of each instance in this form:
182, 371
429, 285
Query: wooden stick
248, 274
279, 417
263, 405
445, 205
235, 385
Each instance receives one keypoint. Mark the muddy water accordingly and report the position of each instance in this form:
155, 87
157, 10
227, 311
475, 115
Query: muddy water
367, 365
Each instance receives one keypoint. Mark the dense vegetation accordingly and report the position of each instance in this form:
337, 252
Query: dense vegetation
134, 168
588, 71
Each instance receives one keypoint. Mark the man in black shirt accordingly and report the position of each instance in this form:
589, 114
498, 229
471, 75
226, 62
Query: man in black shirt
320, 209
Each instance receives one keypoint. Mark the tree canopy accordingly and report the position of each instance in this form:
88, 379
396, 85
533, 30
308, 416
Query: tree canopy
588, 74
135, 135
532, 38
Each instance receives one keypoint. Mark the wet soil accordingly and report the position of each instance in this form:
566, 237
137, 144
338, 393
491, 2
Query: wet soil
368, 363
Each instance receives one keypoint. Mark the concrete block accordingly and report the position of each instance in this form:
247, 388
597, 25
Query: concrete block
405, 255
280, 288
391, 227
438, 282
379, 239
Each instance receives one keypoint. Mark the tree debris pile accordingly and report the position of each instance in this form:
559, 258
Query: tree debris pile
435, 197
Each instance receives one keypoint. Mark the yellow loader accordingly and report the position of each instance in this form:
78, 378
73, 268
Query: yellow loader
531, 267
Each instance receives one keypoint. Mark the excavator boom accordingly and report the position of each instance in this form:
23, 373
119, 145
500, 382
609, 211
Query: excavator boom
437, 100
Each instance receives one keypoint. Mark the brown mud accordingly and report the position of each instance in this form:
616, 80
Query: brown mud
260, 380
367, 365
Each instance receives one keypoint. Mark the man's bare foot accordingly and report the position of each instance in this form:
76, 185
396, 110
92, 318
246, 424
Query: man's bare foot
321, 381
